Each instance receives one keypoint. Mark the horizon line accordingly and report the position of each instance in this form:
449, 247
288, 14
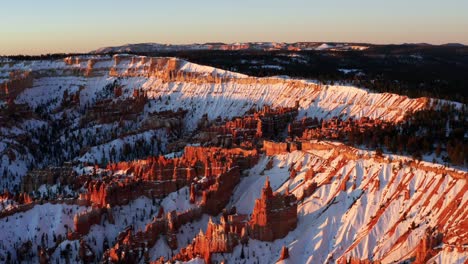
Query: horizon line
240, 42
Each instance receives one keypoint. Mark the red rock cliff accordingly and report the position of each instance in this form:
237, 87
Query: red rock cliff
274, 215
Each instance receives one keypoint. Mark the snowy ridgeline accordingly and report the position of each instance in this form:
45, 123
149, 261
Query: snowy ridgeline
215, 99
228, 99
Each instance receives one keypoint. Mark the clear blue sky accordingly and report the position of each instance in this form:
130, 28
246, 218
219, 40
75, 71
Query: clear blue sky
48, 26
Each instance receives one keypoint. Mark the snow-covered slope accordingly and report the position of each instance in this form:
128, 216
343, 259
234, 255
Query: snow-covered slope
229, 94
41, 225
363, 208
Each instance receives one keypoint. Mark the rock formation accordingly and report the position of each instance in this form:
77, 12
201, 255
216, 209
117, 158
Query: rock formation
84, 221
426, 247
218, 238
216, 197
158, 176
133, 247
274, 215
284, 254
17, 82
212, 173
220, 167
248, 130
50, 176
112, 110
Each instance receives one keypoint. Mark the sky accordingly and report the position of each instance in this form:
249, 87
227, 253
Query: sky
54, 26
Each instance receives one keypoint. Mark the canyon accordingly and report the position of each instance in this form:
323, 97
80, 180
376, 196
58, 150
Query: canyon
135, 159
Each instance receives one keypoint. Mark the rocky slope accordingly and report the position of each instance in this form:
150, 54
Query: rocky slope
354, 205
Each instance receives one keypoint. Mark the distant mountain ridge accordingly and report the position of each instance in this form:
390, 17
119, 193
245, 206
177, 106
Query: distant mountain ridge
261, 46
264, 46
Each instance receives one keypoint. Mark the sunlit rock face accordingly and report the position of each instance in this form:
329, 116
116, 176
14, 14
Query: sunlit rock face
274, 215
17, 82
284, 254
159, 176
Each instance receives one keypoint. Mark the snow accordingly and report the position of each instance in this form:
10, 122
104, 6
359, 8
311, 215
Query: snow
192, 67
47, 219
194, 261
324, 47
188, 231
184, 237
274, 67
137, 214
7, 204
234, 99
452, 257
49, 91
160, 249
250, 187
333, 223
96, 152
346, 71
73, 246
178, 200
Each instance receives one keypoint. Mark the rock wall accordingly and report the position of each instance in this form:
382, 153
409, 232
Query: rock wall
113, 192
133, 248
216, 197
20, 198
112, 110
172, 121
426, 247
248, 130
218, 238
284, 254
195, 162
17, 82
158, 176
51, 175
168, 69
83, 221
274, 215
273, 148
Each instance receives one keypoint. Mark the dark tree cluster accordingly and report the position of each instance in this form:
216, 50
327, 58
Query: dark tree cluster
441, 132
